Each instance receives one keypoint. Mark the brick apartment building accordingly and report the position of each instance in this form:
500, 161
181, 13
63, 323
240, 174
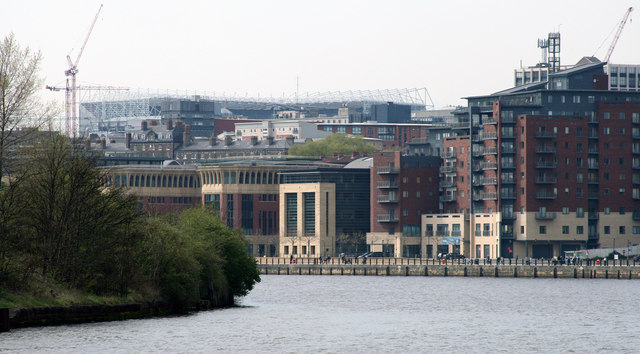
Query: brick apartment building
554, 166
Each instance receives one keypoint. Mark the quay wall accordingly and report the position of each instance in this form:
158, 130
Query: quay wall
457, 270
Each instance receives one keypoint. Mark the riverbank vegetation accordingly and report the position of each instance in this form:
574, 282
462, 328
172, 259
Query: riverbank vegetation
67, 239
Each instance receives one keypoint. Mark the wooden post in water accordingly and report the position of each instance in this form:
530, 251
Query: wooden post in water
4, 320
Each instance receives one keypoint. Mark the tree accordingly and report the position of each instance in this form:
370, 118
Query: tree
21, 113
20, 109
334, 143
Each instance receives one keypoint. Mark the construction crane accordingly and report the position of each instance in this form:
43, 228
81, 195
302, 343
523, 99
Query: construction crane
67, 90
615, 39
71, 113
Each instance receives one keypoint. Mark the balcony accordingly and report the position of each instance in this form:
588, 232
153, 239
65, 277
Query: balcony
478, 152
507, 165
490, 151
507, 120
593, 120
635, 151
593, 150
593, 180
388, 170
449, 154
593, 165
489, 196
509, 150
507, 135
636, 215
593, 135
489, 121
447, 198
546, 180
509, 195
488, 136
447, 184
545, 150
593, 235
477, 167
546, 164
635, 166
387, 218
546, 195
387, 184
507, 180
508, 216
593, 195
545, 134
456, 233
489, 165
490, 181
387, 199
635, 180
545, 216
443, 233
448, 169
594, 216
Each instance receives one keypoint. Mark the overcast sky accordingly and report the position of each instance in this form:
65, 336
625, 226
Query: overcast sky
453, 48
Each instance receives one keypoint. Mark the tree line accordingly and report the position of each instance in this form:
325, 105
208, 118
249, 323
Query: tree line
60, 224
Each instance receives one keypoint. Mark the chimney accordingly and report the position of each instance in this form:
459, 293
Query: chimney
270, 140
127, 140
144, 125
103, 143
355, 155
212, 141
186, 136
169, 124
228, 140
254, 140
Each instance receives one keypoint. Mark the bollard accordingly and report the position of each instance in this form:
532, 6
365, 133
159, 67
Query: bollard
555, 272
575, 273
406, 271
426, 271
446, 271
535, 272
495, 272
515, 272
465, 271
480, 272
387, 271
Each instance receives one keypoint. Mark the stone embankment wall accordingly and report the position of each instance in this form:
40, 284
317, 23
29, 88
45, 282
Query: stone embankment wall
457, 270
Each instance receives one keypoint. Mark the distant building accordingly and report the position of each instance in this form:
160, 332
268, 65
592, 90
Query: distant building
197, 113
278, 129
390, 113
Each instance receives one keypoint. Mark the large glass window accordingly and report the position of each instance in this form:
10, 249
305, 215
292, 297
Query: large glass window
309, 213
292, 213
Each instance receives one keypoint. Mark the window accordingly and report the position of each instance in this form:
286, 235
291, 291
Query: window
635, 230
607, 115
418, 194
622, 211
522, 229
579, 212
565, 210
607, 229
606, 211
405, 194
405, 180
579, 229
621, 116
621, 191
565, 229
621, 229
543, 229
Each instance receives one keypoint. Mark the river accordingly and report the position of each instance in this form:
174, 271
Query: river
361, 314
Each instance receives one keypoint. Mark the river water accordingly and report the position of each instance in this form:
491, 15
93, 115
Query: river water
328, 314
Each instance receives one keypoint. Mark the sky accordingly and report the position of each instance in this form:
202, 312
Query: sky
453, 48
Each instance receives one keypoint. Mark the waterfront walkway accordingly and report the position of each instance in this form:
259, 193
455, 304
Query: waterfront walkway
531, 268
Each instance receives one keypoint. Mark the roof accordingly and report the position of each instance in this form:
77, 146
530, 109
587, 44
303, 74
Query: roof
364, 162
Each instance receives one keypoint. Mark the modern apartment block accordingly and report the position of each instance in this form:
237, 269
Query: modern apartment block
318, 206
402, 189
550, 169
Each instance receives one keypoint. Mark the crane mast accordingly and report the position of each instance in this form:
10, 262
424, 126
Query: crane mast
70, 108
618, 32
